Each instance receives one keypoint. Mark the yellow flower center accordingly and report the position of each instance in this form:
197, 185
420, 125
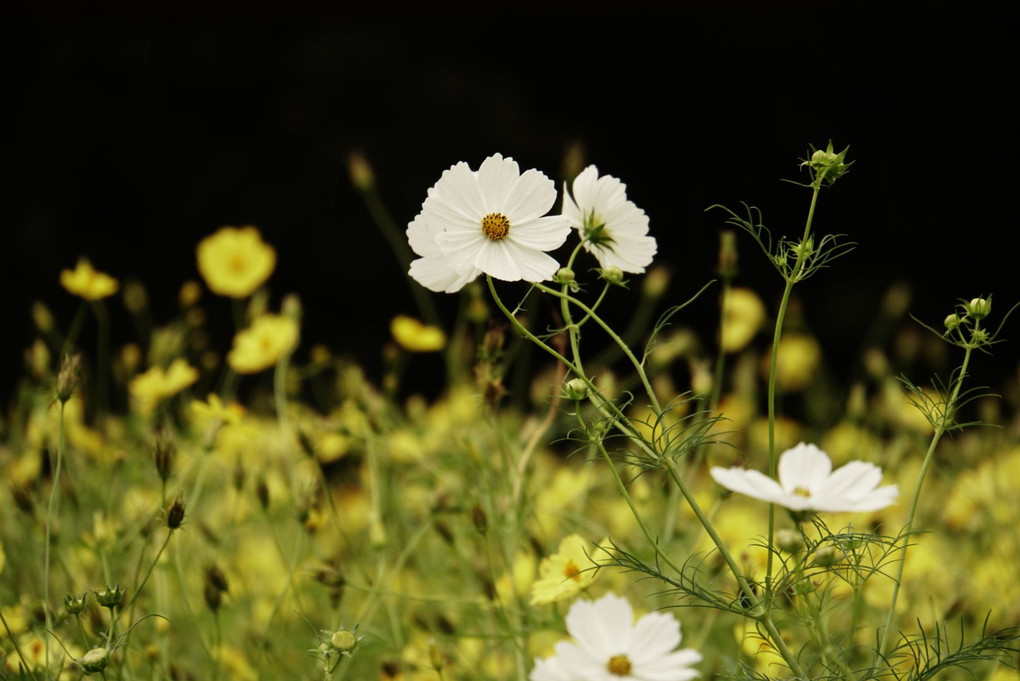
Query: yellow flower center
571, 571
495, 226
802, 492
619, 665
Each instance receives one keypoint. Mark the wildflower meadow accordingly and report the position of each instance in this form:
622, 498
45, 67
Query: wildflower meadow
599, 483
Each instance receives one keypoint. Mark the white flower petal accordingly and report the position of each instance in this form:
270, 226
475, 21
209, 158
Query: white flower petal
856, 478
543, 234
655, 634
436, 274
529, 198
750, 483
533, 265
602, 626
804, 466
496, 177
459, 192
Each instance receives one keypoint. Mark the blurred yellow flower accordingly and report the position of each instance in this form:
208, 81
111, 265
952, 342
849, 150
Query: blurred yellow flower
565, 573
235, 261
412, 335
742, 315
213, 409
798, 359
85, 282
262, 344
157, 384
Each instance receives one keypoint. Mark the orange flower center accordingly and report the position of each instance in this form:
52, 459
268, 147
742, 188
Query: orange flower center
495, 226
619, 665
802, 492
571, 571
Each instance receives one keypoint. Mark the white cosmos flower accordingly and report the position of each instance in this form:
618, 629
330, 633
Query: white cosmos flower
808, 483
610, 646
614, 230
492, 220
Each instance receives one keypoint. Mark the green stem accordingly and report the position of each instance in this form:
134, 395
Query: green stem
148, 573
791, 279
940, 430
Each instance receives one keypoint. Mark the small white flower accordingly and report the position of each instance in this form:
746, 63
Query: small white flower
808, 483
489, 220
614, 230
611, 646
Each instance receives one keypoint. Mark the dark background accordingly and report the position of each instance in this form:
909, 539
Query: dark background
129, 139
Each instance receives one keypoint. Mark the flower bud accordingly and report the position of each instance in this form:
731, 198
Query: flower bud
175, 514
613, 275
575, 389
827, 164
344, 641
479, 519
361, 173
727, 253
164, 452
42, 317
73, 605
789, 541
109, 598
978, 308
564, 275
67, 378
824, 556
93, 661
952, 322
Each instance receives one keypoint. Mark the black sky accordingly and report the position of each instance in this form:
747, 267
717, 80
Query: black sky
129, 139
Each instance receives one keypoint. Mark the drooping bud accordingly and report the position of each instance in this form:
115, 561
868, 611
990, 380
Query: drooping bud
164, 452
67, 378
175, 514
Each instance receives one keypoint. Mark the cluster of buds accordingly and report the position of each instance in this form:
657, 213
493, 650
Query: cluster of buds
963, 327
827, 165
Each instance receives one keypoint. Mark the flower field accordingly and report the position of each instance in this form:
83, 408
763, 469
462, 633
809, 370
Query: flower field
580, 496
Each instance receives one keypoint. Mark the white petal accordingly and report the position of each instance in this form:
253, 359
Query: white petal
803, 466
529, 198
496, 177
533, 265
603, 627
585, 188
855, 479
655, 635
579, 662
543, 234
751, 483
570, 210
458, 190
549, 670
673, 667
435, 273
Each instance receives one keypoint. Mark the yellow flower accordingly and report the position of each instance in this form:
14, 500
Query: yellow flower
565, 573
234, 262
261, 345
742, 315
84, 281
412, 335
213, 409
157, 384
796, 363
